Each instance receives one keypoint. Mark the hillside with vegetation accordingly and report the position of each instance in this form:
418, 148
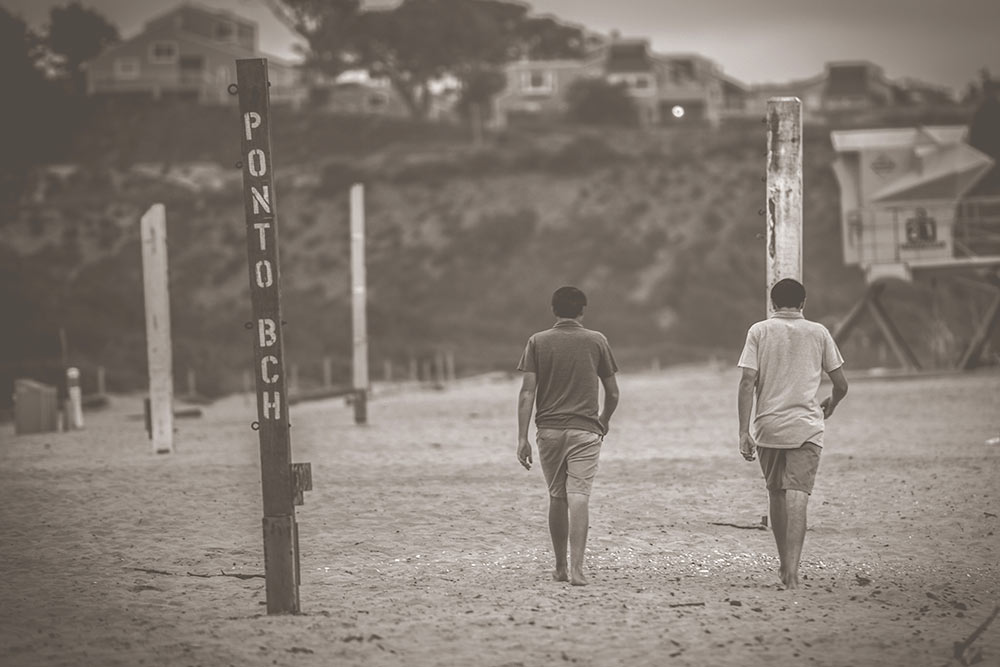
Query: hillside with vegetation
465, 244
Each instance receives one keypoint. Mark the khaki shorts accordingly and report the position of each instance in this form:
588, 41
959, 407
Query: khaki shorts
569, 459
793, 469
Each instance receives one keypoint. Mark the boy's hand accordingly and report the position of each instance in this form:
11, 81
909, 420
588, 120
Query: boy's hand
827, 406
605, 423
748, 448
524, 453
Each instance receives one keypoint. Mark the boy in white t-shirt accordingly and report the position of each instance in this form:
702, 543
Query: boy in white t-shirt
783, 361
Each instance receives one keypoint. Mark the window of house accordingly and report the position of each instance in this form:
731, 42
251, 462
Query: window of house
537, 81
683, 70
163, 53
224, 31
192, 63
126, 68
640, 83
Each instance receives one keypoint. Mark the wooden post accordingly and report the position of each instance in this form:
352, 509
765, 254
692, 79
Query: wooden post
784, 192
358, 304
74, 403
426, 372
327, 372
153, 231
281, 558
439, 368
449, 365
102, 386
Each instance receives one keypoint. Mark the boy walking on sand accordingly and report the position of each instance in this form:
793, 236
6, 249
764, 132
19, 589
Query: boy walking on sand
562, 368
782, 363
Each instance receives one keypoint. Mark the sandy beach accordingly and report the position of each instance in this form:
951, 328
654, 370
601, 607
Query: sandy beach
424, 542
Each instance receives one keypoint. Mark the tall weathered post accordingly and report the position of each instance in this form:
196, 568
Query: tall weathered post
153, 232
359, 298
784, 192
279, 480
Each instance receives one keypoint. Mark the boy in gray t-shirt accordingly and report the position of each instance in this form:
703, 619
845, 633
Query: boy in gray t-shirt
783, 361
562, 369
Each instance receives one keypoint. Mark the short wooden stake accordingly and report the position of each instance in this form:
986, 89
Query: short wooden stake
74, 403
327, 372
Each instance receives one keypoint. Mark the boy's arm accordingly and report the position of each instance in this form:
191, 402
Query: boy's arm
610, 401
525, 405
748, 382
839, 392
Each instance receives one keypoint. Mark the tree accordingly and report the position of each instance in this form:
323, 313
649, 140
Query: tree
597, 102
20, 55
422, 41
76, 35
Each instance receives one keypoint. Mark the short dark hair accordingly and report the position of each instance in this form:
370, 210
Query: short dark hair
568, 301
788, 293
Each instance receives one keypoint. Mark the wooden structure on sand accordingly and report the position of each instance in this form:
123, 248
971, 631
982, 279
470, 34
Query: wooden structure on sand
905, 216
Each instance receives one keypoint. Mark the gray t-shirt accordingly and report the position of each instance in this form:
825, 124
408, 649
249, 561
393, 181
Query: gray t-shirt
790, 354
569, 362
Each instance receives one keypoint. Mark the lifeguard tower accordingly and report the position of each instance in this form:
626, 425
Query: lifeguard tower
905, 215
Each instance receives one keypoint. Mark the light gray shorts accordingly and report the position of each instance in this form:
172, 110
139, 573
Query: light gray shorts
793, 469
569, 459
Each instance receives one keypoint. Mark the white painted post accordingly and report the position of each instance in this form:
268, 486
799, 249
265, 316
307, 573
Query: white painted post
784, 192
74, 404
358, 303
153, 227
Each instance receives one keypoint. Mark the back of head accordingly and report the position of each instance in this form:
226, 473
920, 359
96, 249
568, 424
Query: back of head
568, 301
788, 293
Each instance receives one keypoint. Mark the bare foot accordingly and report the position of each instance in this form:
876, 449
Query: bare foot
577, 579
560, 575
791, 581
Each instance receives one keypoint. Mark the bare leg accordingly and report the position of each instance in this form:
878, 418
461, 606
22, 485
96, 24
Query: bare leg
779, 523
579, 523
559, 531
796, 503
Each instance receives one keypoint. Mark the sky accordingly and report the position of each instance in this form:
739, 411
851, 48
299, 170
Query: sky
943, 42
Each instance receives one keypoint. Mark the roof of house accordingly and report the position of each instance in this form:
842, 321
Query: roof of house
212, 11
945, 166
628, 56
905, 137
232, 48
944, 172
848, 80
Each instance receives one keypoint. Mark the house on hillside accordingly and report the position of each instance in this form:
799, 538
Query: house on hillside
849, 87
189, 53
355, 92
666, 88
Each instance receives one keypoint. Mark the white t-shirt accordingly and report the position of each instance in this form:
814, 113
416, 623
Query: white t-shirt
790, 355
